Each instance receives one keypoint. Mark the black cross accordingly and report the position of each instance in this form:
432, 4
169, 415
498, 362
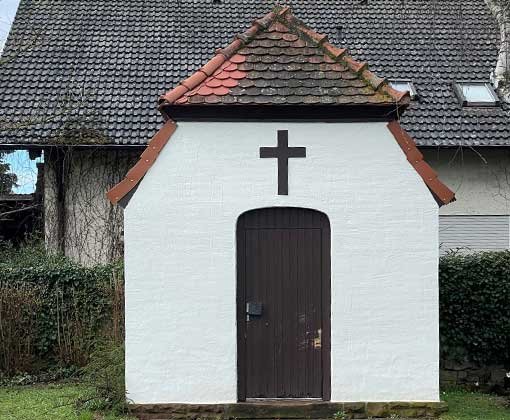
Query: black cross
283, 152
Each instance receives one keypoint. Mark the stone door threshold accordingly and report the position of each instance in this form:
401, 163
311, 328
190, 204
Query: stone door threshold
285, 409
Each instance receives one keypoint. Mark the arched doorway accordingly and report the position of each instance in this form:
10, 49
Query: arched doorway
283, 304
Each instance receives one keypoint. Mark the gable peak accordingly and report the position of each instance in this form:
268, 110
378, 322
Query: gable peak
279, 60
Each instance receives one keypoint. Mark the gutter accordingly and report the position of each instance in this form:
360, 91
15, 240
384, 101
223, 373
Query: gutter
41, 146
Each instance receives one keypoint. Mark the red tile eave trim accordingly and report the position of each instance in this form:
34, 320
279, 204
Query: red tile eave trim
148, 157
440, 191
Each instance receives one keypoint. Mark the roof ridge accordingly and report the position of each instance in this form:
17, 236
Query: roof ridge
335, 53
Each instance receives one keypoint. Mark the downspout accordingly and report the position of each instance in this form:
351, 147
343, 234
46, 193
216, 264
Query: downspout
501, 74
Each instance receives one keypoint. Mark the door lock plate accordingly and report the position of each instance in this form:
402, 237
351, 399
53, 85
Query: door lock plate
254, 308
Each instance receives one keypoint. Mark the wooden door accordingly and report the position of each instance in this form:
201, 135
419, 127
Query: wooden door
283, 304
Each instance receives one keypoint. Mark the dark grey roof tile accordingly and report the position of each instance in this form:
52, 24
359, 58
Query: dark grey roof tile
116, 57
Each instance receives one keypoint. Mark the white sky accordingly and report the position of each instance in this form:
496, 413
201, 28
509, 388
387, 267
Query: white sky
7, 13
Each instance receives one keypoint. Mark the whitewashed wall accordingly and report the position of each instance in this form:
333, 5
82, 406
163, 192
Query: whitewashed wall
181, 262
480, 178
479, 219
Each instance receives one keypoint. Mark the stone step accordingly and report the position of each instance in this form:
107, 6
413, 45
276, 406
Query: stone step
330, 418
295, 410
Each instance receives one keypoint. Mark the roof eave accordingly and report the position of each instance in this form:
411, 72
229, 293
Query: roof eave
266, 112
441, 193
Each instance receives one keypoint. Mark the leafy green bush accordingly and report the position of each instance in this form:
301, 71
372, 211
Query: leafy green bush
60, 308
104, 375
475, 307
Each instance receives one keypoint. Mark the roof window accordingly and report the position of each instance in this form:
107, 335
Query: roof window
404, 86
476, 94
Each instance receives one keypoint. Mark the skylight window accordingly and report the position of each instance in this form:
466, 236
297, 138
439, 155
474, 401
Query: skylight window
476, 94
404, 86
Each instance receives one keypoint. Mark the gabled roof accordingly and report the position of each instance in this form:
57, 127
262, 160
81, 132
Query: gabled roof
99, 66
310, 57
280, 61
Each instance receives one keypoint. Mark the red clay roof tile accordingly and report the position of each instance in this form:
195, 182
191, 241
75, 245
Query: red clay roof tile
238, 59
440, 191
213, 83
375, 81
138, 171
229, 83
222, 90
221, 76
266, 20
333, 51
194, 80
182, 100
398, 95
212, 65
356, 66
175, 94
230, 49
204, 91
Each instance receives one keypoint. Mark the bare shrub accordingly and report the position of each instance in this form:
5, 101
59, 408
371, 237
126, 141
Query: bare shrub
19, 307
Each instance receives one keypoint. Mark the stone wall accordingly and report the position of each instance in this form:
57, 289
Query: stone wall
471, 375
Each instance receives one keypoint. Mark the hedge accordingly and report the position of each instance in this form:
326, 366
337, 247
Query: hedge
53, 311
475, 307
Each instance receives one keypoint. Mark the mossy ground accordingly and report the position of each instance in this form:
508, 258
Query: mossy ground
47, 402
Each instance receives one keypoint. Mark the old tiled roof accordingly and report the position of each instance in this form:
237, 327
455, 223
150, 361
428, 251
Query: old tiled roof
92, 70
280, 61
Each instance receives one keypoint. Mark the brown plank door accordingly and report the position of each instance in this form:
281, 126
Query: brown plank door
283, 306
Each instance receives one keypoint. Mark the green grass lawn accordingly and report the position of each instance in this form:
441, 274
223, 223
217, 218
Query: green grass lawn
474, 406
56, 402
45, 402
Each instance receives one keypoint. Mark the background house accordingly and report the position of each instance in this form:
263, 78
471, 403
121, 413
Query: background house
79, 81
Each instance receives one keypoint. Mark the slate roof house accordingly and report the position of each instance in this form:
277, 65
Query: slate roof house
79, 80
